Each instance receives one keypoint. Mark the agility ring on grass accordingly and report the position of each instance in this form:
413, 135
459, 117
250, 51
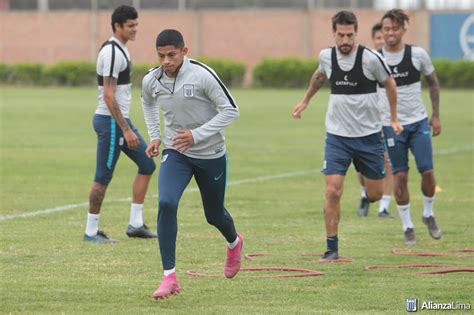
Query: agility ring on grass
450, 269
251, 256
447, 253
299, 272
368, 268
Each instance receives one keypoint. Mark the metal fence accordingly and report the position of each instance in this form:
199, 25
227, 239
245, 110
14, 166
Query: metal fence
46, 5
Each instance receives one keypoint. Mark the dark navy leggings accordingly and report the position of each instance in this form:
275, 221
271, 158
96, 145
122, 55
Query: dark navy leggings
176, 171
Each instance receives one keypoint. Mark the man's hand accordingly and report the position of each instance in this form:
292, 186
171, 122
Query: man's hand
436, 125
397, 128
184, 140
153, 149
131, 138
299, 108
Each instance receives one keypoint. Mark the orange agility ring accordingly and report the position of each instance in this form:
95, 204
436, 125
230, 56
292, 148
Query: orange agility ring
399, 251
443, 271
298, 272
407, 266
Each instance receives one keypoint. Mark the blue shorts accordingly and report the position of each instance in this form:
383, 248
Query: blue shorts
417, 138
365, 152
110, 142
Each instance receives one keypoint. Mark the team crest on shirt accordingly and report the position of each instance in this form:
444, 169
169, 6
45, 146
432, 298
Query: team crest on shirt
188, 90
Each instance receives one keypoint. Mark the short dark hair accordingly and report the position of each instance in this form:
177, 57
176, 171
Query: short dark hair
397, 15
170, 37
123, 13
376, 28
344, 18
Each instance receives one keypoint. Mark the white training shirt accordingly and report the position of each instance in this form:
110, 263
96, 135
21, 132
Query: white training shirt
111, 63
410, 105
196, 100
354, 115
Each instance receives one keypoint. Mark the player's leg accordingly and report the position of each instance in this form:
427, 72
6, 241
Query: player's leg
146, 167
363, 208
175, 174
368, 160
387, 189
211, 176
108, 152
397, 148
337, 158
422, 150
332, 214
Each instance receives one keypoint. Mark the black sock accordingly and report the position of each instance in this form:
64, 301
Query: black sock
332, 243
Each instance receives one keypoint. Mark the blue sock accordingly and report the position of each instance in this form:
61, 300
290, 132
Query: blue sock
332, 243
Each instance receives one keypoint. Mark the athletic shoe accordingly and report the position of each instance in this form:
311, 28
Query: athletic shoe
330, 255
363, 209
385, 214
100, 238
141, 232
232, 262
430, 222
410, 239
169, 286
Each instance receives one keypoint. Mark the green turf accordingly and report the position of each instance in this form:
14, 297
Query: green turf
47, 160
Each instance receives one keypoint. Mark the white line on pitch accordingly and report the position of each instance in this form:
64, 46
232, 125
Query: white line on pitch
447, 151
190, 190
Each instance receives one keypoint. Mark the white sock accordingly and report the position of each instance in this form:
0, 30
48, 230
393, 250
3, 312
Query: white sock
428, 203
384, 203
234, 243
363, 194
404, 212
136, 215
169, 271
92, 224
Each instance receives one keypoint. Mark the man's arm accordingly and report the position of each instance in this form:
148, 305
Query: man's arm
391, 88
316, 82
151, 111
110, 86
433, 85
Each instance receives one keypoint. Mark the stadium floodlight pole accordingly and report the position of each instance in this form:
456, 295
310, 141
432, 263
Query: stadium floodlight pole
182, 5
136, 4
43, 5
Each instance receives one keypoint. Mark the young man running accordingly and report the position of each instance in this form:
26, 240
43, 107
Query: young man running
353, 119
407, 62
196, 108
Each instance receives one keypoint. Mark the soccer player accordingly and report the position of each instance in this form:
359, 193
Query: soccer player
363, 208
353, 120
196, 108
377, 36
407, 62
115, 132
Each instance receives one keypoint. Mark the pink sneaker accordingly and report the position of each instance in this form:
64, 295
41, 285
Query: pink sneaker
232, 263
169, 286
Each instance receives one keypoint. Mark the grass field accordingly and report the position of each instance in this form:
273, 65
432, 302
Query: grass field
275, 195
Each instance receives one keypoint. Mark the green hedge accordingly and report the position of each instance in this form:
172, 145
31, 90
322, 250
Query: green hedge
295, 73
72, 73
455, 74
289, 72
229, 71
83, 73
